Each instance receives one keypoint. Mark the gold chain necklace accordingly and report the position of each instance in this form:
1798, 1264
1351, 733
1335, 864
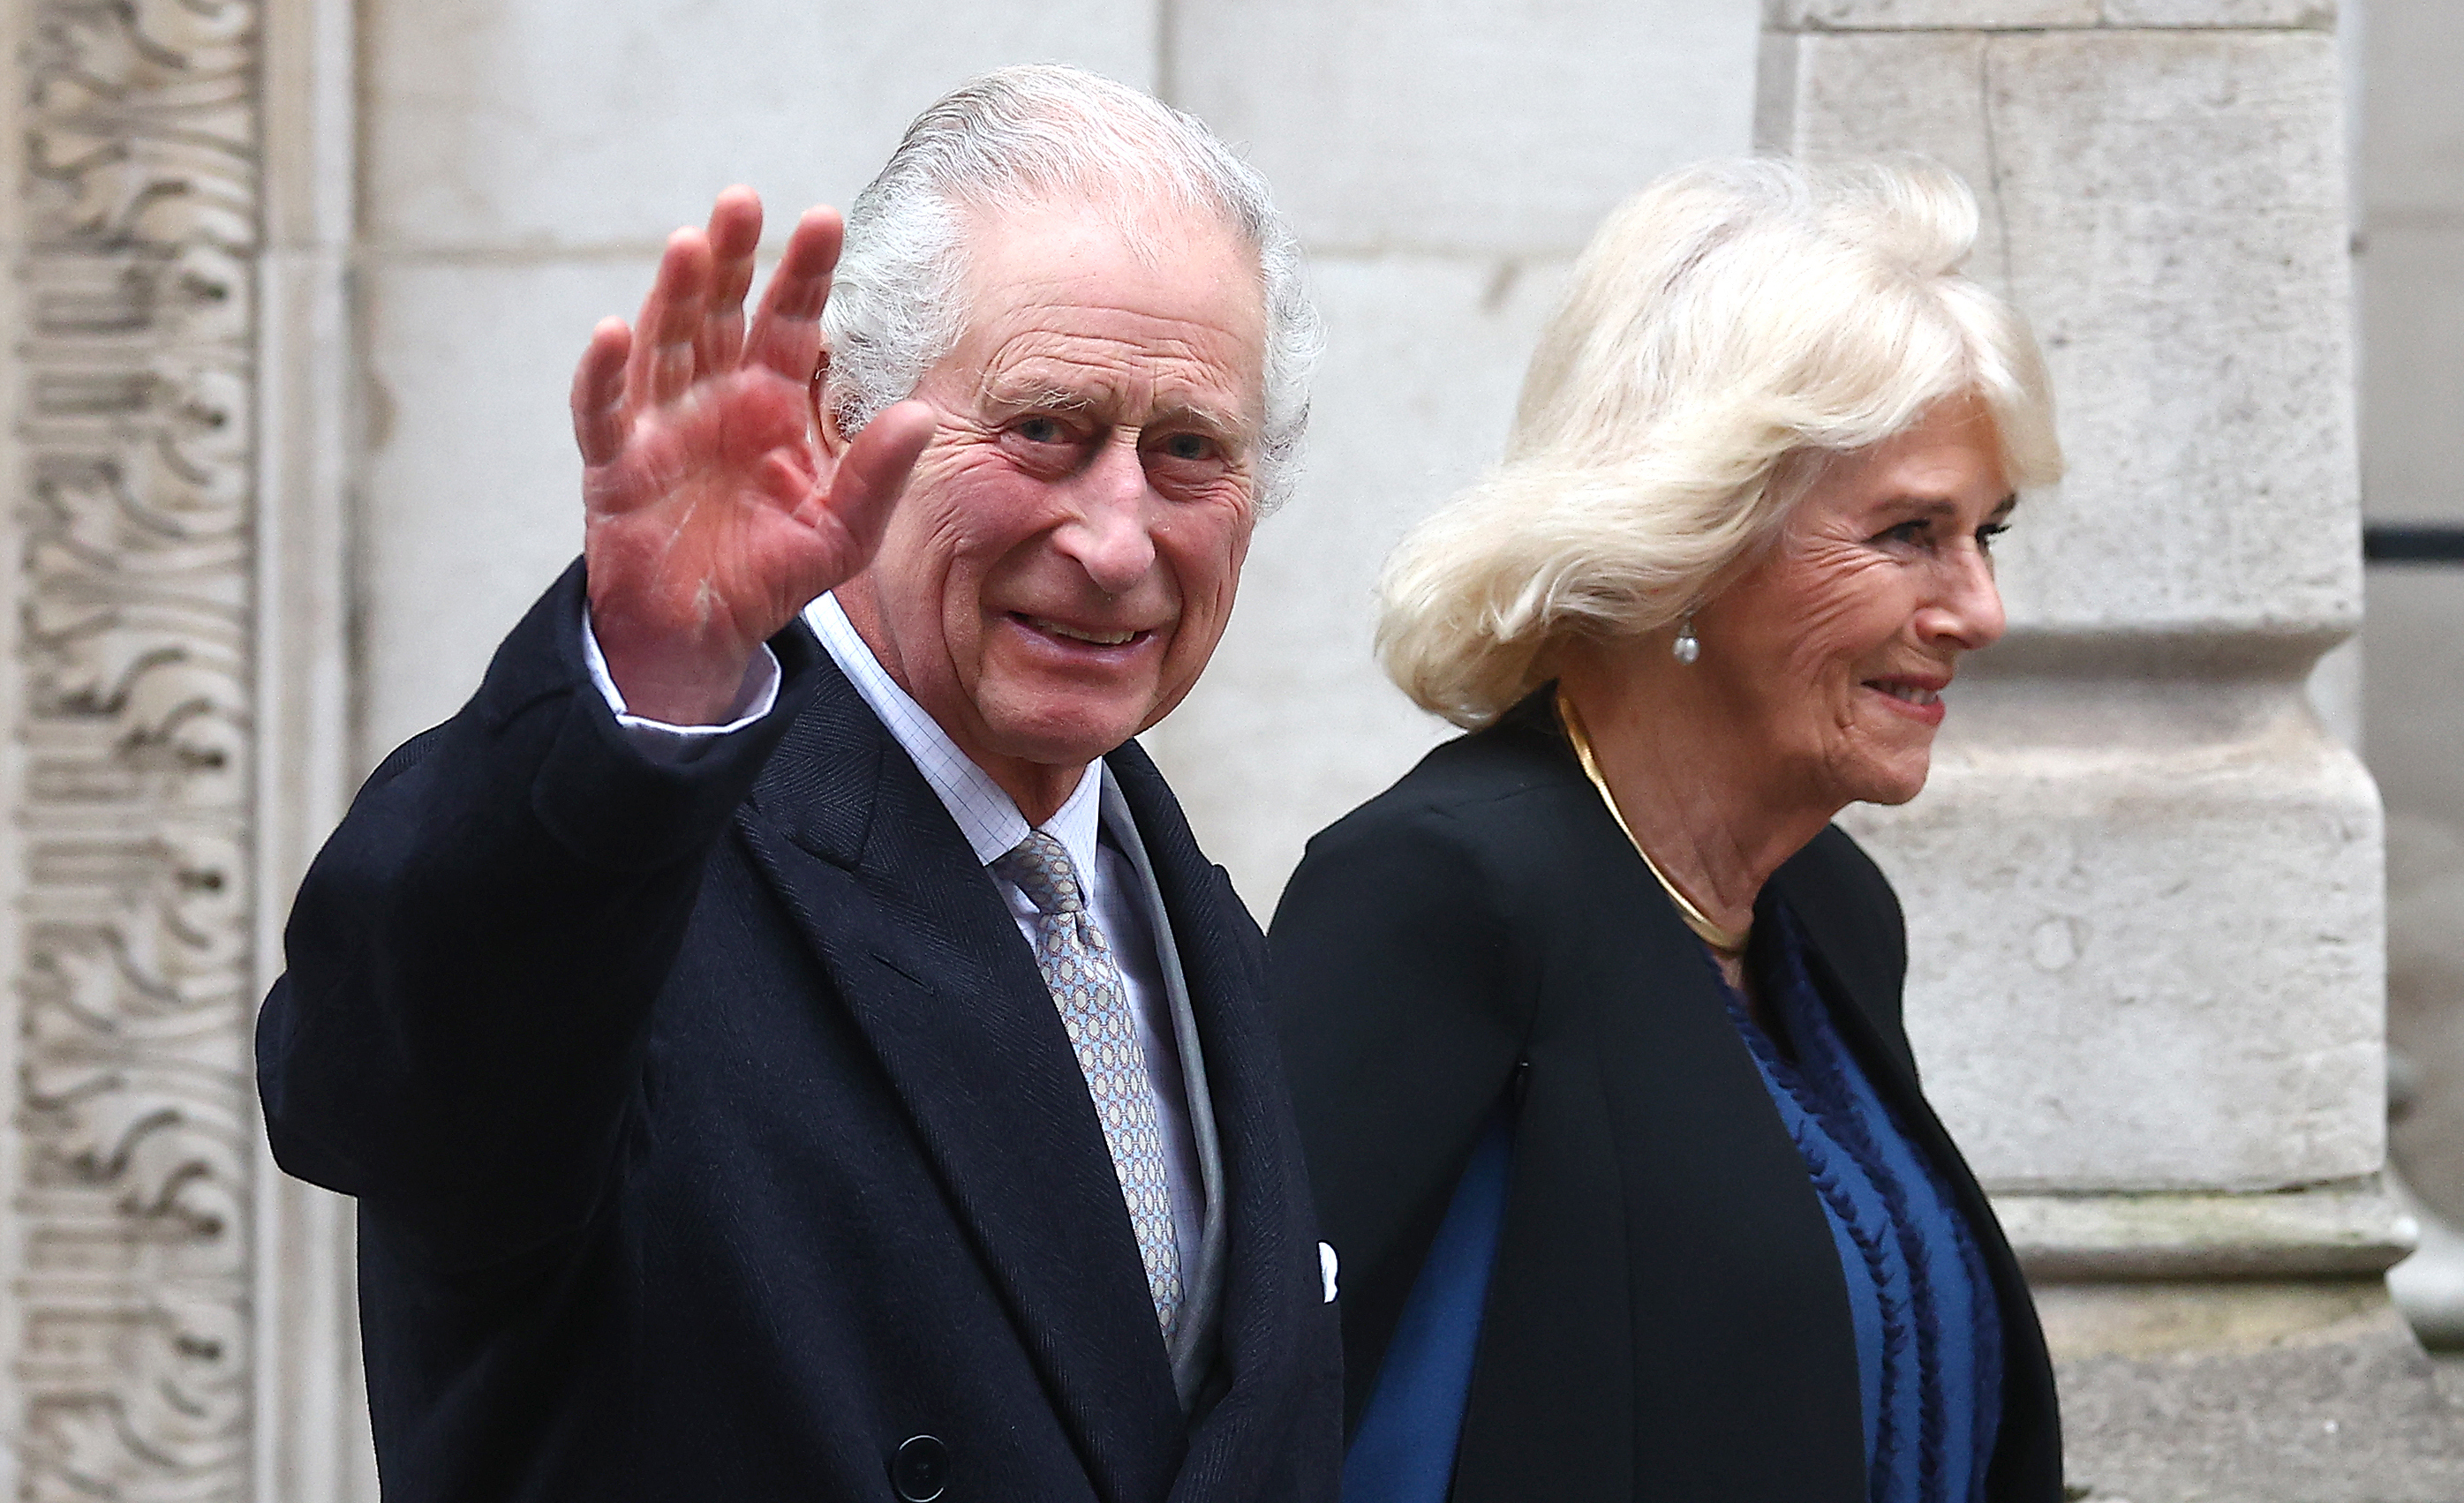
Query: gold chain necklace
1725, 941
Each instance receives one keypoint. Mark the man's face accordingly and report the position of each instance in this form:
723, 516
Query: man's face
1064, 557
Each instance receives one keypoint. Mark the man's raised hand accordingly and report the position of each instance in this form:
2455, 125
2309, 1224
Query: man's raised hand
709, 518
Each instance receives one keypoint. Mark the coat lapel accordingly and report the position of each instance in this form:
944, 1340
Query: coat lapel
1271, 1282
927, 962
2030, 1441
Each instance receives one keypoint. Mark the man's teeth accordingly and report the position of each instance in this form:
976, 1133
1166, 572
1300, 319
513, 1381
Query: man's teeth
1101, 639
1911, 693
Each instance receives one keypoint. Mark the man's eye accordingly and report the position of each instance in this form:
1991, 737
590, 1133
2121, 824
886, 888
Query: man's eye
1041, 430
1189, 446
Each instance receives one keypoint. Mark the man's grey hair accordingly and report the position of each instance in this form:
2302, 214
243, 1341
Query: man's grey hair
1027, 136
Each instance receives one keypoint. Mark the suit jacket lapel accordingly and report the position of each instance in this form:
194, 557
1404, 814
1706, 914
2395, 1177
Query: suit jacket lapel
1201, 1267
928, 965
1270, 1280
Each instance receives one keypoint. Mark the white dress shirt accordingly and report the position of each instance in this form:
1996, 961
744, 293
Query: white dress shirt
990, 820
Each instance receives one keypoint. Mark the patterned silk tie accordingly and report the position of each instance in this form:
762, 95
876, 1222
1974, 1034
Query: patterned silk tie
1077, 964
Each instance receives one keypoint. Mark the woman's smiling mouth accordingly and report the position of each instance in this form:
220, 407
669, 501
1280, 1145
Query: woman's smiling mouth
1918, 699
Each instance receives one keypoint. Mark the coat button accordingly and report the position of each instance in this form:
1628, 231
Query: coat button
920, 1469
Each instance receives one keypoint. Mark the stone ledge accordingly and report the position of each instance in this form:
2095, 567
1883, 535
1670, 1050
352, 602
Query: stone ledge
2048, 16
2349, 1229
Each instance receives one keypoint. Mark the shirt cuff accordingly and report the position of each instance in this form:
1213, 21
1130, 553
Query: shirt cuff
660, 742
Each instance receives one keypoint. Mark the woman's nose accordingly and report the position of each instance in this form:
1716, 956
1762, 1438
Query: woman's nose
1968, 607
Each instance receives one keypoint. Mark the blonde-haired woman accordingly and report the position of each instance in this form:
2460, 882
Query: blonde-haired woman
1594, 1017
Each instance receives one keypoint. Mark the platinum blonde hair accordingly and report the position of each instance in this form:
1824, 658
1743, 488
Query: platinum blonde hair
1022, 137
1726, 330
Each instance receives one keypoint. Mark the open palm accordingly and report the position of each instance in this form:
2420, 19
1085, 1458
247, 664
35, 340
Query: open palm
709, 518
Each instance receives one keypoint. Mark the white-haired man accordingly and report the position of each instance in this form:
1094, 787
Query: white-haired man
782, 1033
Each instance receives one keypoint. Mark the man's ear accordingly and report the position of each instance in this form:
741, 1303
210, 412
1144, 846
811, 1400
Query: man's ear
826, 435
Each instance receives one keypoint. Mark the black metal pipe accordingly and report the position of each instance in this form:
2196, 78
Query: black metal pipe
2412, 543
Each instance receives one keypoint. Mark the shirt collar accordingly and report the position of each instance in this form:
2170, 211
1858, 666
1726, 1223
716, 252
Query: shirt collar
987, 816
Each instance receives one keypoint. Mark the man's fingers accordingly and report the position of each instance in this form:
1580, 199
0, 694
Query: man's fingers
735, 234
875, 469
663, 364
787, 332
599, 392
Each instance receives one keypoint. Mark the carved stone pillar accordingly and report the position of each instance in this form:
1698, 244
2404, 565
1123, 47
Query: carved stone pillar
131, 769
2143, 891
173, 1312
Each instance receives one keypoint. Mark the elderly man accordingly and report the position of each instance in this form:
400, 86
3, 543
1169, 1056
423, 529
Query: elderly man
782, 1033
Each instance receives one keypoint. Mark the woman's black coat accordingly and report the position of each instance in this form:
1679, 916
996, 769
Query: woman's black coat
1667, 1319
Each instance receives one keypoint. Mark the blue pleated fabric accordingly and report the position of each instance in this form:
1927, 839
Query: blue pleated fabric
1404, 1449
1928, 1328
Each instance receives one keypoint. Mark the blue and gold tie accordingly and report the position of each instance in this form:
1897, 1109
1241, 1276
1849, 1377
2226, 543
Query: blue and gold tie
1086, 984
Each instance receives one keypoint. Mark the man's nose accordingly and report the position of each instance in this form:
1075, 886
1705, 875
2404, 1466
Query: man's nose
1966, 608
1108, 537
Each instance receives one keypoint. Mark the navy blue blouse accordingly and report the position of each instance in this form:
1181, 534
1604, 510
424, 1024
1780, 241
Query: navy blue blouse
1928, 1328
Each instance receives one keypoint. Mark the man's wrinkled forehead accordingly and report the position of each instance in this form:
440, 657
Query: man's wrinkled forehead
1046, 334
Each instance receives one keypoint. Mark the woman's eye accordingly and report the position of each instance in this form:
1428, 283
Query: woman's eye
1990, 530
1914, 533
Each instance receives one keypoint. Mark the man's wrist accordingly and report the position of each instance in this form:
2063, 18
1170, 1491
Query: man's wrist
756, 695
678, 695
661, 677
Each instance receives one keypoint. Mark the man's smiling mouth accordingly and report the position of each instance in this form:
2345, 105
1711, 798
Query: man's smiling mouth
1053, 628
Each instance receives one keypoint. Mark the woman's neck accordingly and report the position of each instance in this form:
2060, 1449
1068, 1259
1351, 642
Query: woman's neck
1706, 798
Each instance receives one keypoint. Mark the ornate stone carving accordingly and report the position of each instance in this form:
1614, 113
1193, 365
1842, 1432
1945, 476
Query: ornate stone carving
130, 1236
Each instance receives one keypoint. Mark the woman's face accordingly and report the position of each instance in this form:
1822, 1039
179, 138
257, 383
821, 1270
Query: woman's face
1835, 647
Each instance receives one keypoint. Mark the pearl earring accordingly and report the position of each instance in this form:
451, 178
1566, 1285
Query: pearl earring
1688, 645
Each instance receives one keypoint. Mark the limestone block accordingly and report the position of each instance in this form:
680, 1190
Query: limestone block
2413, 384
472, 493
1924, 92
2349, 1229
1480, 125
1294, 724
2171, 211
536, 123
1887, 15
2142, 929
